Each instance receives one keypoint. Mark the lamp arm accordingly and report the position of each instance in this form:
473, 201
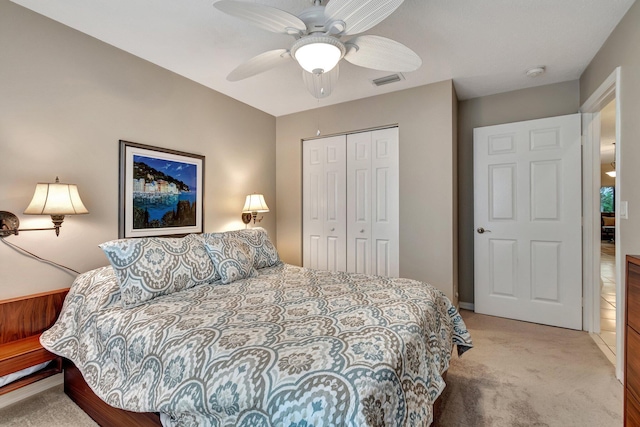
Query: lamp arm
8, 232
39, 229
9, 224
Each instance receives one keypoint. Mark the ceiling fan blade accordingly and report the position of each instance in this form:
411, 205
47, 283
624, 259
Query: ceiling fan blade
321, 85
258, 64
265, 17
360, 15
380, 53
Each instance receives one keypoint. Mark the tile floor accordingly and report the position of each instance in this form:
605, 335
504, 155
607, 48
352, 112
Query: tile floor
606, 340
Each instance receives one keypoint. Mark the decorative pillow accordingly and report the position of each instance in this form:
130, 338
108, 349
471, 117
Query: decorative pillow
231, 256
154, 266
266, 255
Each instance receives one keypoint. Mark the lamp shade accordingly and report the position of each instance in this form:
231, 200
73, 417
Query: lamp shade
56, 199
255, 203
318, 53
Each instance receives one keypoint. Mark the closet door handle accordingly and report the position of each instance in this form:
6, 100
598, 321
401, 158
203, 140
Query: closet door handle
362, 231
333, 229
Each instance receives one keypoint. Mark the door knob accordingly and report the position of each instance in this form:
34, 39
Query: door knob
333, 229
362, 231
482, 230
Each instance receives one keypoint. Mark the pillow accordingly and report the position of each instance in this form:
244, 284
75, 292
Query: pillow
149, 267
231, 256
266, 254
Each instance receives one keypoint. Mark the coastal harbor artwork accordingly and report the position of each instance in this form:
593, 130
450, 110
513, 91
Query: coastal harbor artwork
164, 193
160, 191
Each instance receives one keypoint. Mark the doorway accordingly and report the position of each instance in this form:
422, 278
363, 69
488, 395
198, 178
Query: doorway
592, 232
606, 338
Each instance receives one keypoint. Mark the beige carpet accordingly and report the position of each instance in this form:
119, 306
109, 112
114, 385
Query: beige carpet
51, 408
523, 374
518, 374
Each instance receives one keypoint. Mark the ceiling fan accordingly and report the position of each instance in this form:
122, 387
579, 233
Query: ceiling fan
318, 47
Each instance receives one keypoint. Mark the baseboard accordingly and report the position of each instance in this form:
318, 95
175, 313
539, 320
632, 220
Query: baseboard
30, 390
466, 305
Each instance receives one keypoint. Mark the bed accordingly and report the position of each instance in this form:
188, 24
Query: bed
277, 345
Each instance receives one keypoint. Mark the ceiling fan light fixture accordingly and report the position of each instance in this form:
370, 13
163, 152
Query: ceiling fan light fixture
318, 54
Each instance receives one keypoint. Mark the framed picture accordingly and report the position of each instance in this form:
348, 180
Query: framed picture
161, 191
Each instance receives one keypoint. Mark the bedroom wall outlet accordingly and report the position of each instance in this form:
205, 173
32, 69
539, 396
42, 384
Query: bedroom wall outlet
624, 209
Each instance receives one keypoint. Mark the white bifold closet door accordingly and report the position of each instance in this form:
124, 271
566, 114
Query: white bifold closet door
373, 203
324, 204
351, 203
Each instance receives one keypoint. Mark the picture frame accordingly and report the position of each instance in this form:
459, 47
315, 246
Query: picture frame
161, 191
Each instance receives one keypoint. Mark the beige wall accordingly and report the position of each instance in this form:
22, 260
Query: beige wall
66, 101
425, 119
526, 104
622, 49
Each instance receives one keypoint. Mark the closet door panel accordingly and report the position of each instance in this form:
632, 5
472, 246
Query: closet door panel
313, 251
335, 224
324, 203
385, 201
383, 258
351, 203
361, 257
313, 159
359, 203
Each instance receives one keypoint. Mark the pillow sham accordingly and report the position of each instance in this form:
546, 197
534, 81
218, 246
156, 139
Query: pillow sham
231, 256
149, 267
266, 254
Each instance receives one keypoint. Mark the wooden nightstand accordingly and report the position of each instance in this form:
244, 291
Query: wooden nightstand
21, 354
23, 320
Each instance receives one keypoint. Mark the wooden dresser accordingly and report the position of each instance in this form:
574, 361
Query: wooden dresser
632, 343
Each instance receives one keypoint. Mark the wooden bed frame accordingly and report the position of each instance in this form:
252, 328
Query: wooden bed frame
79, 391
25, 318
104, 414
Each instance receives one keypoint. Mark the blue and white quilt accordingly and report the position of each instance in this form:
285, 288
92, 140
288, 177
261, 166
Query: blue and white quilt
290, 347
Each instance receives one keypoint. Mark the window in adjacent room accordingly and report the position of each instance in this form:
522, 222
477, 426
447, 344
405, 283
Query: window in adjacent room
607, 199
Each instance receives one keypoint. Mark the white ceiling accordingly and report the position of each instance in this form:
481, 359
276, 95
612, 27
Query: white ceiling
484, 46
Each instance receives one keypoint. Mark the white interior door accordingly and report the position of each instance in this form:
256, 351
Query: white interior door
527, 207
324, 209
373, 203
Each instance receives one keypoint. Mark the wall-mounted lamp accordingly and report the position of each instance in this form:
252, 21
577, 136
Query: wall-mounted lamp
253, 204
55, 199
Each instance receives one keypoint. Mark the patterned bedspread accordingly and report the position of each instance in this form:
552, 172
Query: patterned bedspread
292, 347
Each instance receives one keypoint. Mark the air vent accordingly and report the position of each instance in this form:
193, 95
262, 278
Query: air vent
393, 78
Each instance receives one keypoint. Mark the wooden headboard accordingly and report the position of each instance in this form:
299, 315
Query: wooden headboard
29, 315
